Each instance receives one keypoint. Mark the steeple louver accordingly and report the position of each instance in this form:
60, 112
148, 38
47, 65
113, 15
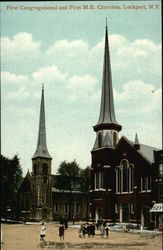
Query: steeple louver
41, 150
107, 119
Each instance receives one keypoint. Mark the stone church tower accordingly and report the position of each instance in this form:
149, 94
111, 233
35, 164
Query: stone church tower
106, 129
41, 173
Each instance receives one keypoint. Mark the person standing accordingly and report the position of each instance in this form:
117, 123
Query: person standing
42, 232
88, 230
61, 232
102, 230
107, 230
84, 230
92, 229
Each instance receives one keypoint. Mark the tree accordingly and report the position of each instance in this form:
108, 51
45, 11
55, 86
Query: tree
70, 169
67, 172
72, 177
85, 179
11, 178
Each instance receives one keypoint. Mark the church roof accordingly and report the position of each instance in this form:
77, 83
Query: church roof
147, 151
41, 150
107, 117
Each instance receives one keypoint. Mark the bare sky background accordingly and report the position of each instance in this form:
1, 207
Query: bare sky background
64, 50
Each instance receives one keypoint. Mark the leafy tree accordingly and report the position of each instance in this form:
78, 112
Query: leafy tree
11, 178
72, 177
85, 179
70, 169
67, 174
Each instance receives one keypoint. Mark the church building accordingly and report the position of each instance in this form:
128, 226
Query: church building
126, 177
38, 198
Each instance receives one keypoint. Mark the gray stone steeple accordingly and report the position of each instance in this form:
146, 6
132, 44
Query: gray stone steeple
107, 119
41, 150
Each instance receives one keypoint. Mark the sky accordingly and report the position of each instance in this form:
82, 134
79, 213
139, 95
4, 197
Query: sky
61, 44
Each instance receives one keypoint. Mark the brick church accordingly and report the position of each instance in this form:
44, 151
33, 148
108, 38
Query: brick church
126, 177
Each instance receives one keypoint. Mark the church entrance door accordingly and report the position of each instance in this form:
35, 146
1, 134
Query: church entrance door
124, 213
99, 213
145, 216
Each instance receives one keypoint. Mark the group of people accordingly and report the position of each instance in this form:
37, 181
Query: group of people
61, 231
104, 230
87, 228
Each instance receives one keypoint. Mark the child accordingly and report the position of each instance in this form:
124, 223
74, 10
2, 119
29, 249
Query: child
42, 232
61, 232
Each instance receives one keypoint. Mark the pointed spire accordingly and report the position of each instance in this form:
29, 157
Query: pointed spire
136, 140
107, 119
106, 22
41, 150
136, 143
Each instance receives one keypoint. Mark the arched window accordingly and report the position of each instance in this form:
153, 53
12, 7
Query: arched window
118, 179
131, 177
35, 169
98, 180
124, 176
44, 168
67, 208
101, 179
56, 207
99, 139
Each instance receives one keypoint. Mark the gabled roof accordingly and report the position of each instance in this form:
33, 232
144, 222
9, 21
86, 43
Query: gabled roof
26, 183
145, 151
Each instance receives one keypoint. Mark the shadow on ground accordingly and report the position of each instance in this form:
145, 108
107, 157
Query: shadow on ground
95, 245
